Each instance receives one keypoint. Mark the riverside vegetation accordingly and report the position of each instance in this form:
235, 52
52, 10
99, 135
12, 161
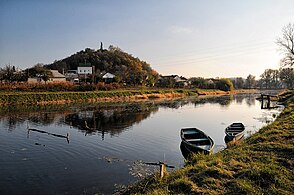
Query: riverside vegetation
10, 98
263, 164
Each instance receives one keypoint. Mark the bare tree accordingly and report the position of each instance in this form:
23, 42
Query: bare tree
250, 81
287, 77
286, 45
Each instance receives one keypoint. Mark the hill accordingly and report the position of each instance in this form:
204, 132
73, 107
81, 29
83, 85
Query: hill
124, 66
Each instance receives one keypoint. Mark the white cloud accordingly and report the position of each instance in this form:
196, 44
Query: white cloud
180, 30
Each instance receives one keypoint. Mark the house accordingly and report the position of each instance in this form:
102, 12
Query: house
108, 77
172, 81
71, 75
54, 77
85, 69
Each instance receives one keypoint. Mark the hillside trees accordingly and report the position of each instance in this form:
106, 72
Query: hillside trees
125, 67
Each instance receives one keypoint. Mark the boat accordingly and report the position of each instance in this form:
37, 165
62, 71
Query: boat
235, 131
196, 141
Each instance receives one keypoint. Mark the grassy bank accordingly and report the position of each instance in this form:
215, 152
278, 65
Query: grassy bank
263, 164
10, 98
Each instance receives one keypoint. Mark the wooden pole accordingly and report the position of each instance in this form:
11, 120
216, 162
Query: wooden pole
268, 101
162, 170
261, 101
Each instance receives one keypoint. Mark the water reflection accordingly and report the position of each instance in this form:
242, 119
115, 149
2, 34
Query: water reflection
139, 131
112, 120
89, 118
224, 101
105, 118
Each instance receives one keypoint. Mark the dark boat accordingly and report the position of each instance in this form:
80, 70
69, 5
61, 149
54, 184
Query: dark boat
196, 141
235, 131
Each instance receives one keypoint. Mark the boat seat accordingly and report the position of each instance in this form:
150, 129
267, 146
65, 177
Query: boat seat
194, 140
234, 130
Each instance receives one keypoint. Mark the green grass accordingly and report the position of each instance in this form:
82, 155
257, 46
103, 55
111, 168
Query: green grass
263, 164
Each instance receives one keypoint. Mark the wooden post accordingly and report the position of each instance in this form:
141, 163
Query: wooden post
268, 102
261, 101
162, 170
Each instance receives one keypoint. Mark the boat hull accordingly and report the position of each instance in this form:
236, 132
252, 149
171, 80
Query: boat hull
235, 131
196, 141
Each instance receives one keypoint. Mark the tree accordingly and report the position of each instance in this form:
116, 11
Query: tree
266, 78
41, 72
225, 85
7, 73
239, 83
287, 77
270, 79
250, 81
286, 45
197, 82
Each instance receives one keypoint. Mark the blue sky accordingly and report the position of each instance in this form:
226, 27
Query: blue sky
213, 38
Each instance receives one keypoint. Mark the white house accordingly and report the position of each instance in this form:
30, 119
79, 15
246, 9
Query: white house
108, 77
85, 68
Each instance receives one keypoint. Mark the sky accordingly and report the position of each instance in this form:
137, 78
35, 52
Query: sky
191, 38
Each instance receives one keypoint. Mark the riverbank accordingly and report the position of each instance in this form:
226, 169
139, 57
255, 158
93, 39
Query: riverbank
13, 98
17, 98
263, 164
219, 92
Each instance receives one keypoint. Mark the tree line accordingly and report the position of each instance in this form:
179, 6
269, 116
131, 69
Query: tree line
269, 79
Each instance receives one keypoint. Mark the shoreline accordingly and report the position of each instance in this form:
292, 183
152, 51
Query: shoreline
43, 98
262, 164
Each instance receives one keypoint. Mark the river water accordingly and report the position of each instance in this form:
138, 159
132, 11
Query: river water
88, 148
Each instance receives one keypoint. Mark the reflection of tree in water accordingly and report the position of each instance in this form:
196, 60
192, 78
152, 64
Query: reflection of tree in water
239, 99
112, 120
175, 103
249, 99
101, 117
12, 116
224, 101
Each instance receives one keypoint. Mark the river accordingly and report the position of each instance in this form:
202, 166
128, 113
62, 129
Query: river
88, 148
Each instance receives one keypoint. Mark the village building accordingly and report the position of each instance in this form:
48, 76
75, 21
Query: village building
54, 77
172, 81
108, 77
72, 76
85, 69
